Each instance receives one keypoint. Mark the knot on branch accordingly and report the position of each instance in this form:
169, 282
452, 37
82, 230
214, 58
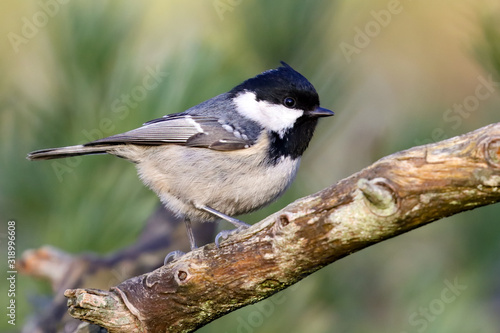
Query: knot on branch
282, 221
380, 196
182, 275
492, 153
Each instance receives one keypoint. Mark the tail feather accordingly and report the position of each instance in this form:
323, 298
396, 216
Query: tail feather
52, 153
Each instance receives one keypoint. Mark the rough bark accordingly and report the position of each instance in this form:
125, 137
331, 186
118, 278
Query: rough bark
162, 233
396, 194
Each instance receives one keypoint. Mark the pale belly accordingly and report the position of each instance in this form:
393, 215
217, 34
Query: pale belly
233, 183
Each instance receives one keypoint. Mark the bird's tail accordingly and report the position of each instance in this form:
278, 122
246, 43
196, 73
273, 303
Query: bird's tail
52, 153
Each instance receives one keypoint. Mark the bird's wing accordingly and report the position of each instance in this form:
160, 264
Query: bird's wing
183, 129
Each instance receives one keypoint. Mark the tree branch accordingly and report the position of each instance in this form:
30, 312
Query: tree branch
162, 233
396, 194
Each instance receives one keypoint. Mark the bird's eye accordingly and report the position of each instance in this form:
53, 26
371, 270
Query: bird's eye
289, 102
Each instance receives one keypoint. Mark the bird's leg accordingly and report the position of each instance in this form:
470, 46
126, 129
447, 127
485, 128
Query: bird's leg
189, 230
224, 233
237, 223
174, 255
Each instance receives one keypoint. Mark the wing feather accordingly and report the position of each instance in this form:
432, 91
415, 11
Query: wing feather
183, 129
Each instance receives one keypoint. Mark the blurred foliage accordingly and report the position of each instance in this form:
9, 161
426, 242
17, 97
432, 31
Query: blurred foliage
82, 76
487, 48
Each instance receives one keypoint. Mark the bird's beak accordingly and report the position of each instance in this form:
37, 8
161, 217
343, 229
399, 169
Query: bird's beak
320, 112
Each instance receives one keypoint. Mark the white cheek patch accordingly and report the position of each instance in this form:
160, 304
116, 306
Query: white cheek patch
277, 118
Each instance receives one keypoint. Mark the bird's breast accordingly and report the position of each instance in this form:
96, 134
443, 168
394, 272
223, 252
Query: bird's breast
234, 183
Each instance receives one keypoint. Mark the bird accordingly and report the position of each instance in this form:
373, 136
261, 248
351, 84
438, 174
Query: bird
227, 156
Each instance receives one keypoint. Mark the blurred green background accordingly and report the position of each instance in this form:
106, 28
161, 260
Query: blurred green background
395, 72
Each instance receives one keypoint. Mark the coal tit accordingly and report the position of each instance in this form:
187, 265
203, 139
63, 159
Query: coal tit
227, 156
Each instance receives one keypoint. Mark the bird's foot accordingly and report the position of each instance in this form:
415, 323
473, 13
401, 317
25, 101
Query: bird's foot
224, 234
172, 256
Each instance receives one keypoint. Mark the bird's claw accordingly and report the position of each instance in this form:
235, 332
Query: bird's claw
224, 234
172, 256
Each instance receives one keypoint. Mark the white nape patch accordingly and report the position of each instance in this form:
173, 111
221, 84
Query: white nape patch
275, 117
193, 122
